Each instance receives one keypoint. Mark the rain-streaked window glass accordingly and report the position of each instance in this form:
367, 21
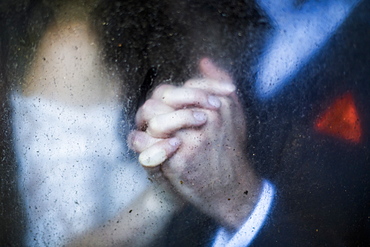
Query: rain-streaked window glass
184, 123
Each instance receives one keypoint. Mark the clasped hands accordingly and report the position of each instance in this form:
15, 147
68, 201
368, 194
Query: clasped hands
194, 136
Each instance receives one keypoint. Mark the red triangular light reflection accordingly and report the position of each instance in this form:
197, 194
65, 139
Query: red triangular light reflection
341, 120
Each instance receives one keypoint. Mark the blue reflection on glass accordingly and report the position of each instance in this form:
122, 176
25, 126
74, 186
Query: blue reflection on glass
300, 32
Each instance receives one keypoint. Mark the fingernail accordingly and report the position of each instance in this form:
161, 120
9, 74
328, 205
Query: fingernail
174, 142
199, 116
214, 101
152, 158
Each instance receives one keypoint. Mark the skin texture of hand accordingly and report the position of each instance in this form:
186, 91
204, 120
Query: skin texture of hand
199, 130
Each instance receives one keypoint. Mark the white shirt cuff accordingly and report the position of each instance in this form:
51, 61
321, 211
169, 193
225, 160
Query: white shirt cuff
254, 223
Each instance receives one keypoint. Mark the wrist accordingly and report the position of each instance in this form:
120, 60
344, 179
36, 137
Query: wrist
161, 197
253, 224
233, 210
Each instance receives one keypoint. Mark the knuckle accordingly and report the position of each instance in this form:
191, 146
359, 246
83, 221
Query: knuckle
148, 105
154, 127
160, 91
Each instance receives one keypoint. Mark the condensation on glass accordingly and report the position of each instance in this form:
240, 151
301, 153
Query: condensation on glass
71, 82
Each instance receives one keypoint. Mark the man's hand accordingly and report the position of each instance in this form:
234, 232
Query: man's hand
199, 130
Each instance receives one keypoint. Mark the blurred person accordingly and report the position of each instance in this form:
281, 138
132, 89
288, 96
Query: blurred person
74, 173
